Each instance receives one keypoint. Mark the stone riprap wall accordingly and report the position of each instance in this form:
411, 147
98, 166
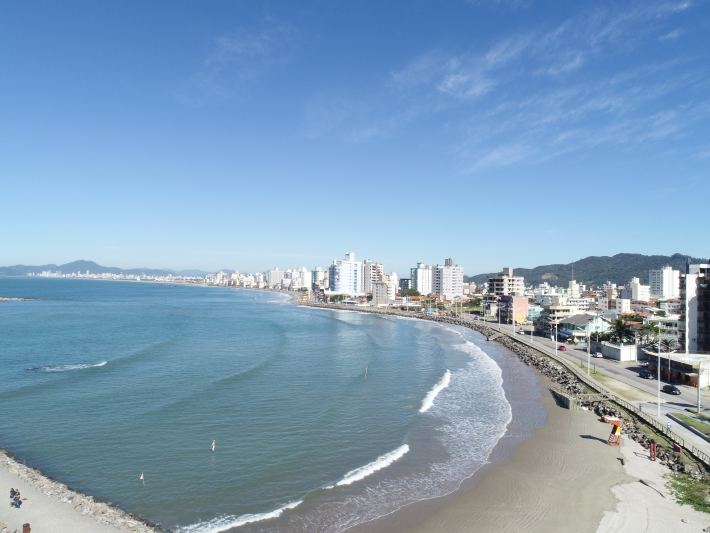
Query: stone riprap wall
102, 512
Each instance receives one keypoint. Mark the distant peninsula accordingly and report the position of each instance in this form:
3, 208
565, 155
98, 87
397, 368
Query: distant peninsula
82, 266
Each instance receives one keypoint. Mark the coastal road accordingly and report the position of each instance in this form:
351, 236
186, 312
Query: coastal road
624, 372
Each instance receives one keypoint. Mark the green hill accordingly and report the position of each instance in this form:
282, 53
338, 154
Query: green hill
596, 270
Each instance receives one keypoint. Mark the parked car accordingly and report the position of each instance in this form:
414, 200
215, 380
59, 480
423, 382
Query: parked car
645, 374
671, 389
563, 348
598, 355
644, 363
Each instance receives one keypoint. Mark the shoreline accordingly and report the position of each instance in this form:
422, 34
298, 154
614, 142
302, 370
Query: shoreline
53, 506
516, 489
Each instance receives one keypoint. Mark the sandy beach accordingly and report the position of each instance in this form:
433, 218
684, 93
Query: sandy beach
50, 507
564, 479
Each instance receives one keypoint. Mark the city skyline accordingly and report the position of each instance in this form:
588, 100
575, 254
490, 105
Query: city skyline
249, 136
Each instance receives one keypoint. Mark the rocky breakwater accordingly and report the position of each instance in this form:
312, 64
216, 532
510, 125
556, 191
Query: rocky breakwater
102, 512
671, 458
557, 373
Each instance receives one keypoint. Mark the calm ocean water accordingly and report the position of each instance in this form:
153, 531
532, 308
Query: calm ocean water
104, 381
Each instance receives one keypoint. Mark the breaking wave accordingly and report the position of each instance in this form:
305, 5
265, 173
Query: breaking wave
65, 368
434, 392
378, 464
225, 523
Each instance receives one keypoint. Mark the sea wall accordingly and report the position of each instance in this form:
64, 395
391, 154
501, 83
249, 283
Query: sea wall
103, 512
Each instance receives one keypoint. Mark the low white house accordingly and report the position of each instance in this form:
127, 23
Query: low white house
612, 350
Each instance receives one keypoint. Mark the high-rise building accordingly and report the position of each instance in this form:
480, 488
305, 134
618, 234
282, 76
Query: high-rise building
383, 292
274, 277
635, 291
694, 323
665, 283
447, 280
371, 273
421, 278
405, 283
345, 277
505, 284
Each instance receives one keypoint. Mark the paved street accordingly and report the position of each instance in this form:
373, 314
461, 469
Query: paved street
628, 373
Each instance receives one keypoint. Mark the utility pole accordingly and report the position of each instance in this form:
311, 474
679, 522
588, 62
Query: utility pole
659, 376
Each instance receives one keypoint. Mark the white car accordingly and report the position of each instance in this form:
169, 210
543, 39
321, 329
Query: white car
598, 355
521, 332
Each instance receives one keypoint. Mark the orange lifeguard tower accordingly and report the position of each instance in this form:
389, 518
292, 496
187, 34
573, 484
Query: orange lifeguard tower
615, 435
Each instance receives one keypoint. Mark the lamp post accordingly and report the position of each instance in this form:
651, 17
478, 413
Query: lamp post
588, 348
659, 376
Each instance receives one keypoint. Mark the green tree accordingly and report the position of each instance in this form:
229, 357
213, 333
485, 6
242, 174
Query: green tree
337, 298
661, 313
648, 332
410, 292
621, 332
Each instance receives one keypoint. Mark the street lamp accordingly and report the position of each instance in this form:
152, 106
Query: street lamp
588, 348
659, 376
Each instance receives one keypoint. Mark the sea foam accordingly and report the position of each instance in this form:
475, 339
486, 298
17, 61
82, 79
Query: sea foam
225, 523
434, 392
378, 464
65, 368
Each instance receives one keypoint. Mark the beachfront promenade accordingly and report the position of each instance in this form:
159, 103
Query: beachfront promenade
682, 436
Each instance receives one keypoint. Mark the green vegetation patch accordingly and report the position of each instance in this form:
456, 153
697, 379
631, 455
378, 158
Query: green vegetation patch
690, 491
697, 424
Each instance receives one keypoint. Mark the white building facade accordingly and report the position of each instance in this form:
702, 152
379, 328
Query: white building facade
447, 280
505, 284
665, 283
371, 272
421, 278
345, 277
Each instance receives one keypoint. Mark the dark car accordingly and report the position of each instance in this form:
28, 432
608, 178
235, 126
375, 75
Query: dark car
671, 389
645, 374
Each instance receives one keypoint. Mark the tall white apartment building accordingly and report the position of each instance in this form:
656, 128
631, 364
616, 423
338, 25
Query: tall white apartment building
371, 273
665, 283
694, 323
635, 291
274, 277
447, 280
345, 277
421, 278
505, 284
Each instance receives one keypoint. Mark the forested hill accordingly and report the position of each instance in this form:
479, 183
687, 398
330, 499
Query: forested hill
596, 270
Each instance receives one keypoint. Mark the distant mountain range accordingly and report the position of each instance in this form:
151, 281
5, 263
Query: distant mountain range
596, 270
93, 268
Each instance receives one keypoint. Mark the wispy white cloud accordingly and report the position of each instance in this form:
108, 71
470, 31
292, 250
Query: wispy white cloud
670, 35
587, 81
236, 59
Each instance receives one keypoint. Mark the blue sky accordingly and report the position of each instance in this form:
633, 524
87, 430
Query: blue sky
248, 135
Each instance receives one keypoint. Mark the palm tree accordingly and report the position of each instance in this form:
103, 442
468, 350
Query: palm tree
621, 331
669, 344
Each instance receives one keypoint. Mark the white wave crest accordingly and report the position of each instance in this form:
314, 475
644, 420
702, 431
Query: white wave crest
378, 464
66, 368
225, 523
434, 392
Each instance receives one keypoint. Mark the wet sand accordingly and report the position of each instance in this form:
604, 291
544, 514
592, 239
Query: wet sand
560, 480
